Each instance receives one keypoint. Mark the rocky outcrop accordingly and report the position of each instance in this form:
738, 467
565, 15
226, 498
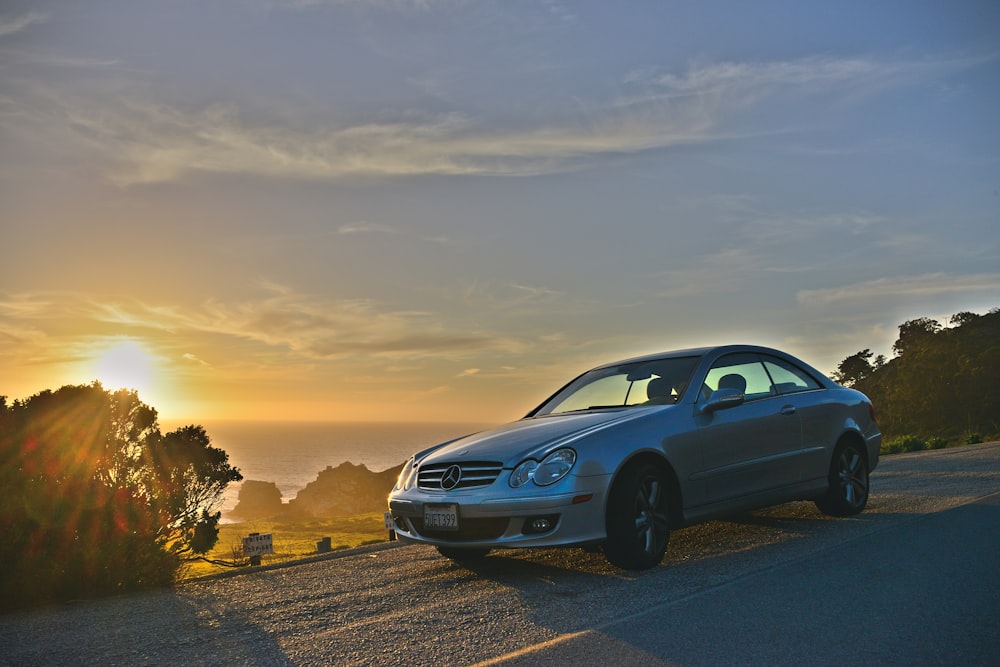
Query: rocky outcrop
342, 491
258, 500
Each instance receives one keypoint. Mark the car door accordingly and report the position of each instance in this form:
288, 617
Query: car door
748, 448
799, 391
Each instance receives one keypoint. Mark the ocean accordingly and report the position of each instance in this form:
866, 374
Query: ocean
292, 454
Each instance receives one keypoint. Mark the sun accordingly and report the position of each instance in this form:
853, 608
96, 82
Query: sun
126, 365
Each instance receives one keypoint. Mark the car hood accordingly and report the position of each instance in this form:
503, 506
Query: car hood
532, 437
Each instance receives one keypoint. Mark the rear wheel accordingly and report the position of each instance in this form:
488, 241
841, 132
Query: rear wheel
848, 482
638, 524
461, 554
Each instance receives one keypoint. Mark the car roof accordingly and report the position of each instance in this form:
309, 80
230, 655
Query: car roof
695, 352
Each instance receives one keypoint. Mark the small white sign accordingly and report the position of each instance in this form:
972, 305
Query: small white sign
258, 545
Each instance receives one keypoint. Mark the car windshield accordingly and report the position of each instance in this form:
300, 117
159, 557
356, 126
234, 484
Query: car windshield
656, 382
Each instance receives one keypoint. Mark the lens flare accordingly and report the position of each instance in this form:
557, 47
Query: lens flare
126, 365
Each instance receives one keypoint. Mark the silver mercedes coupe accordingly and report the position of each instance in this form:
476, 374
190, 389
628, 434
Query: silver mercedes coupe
630, 450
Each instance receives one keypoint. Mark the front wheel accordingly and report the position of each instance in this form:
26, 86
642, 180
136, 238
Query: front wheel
638, 523
461, 554
848, 482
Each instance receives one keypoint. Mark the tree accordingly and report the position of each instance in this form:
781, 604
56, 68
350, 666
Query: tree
915, 334
188, 476
965, 317
944, 382
96, 499
857, 367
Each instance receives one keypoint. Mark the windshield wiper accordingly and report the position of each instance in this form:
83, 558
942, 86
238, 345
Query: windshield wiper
592, 407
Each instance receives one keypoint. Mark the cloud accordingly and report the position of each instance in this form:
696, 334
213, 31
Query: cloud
739, 84
554, 10
23, 306
755, 236
366, 228
55, 60
762, 242
468, 372
391, 5
153, 143
513, 299
931, 284
9, 26
719, 272
726, 77
282, 320
362, 228
146, 141
190, 357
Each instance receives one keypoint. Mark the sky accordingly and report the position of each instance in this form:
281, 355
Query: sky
443, 210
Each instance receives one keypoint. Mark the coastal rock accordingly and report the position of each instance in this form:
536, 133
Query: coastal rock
258, 500
344, 490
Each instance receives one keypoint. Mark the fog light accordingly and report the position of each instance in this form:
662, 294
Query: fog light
537, 525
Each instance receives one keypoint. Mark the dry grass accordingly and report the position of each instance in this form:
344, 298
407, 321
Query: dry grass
292, 539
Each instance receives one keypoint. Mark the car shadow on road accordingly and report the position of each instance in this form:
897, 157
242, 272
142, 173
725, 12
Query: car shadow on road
753, 530
566, 591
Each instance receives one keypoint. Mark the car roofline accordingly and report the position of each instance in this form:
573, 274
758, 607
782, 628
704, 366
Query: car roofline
688, 352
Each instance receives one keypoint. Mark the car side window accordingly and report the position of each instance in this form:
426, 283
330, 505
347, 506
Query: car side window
787, 378
739, 371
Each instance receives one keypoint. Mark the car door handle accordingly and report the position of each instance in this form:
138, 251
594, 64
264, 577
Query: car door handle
788, 410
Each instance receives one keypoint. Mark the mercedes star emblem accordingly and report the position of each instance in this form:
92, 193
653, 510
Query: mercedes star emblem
451, 478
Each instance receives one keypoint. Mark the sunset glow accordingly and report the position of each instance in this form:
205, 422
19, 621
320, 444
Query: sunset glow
125, 365
441, 211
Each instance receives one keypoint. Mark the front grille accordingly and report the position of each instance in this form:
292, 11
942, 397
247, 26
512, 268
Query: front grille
469, 529
473, 474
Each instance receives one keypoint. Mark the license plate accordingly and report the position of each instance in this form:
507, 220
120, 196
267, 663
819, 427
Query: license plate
441, 517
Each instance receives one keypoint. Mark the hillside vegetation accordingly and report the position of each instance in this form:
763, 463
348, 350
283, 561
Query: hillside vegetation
941, 387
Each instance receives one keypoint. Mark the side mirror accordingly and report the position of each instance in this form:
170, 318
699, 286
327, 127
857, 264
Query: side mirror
722, 399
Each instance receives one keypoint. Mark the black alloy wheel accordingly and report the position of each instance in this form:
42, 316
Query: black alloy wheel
848, 482
638, 524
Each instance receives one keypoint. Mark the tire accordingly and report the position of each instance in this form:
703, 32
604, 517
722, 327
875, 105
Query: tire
848, 482
638, 520
461, 554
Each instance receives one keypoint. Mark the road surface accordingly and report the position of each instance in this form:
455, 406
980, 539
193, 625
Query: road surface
915, 579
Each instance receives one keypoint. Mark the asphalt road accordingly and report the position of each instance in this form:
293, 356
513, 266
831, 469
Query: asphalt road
914, 580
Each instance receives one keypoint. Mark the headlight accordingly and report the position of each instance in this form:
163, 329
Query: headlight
523, 473
553, 468
403, 481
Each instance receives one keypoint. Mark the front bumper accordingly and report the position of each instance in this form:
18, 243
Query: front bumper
502, 517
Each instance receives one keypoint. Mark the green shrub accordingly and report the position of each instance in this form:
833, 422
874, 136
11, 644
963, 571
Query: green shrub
97, 500
936, 443
903, 443
973, 439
